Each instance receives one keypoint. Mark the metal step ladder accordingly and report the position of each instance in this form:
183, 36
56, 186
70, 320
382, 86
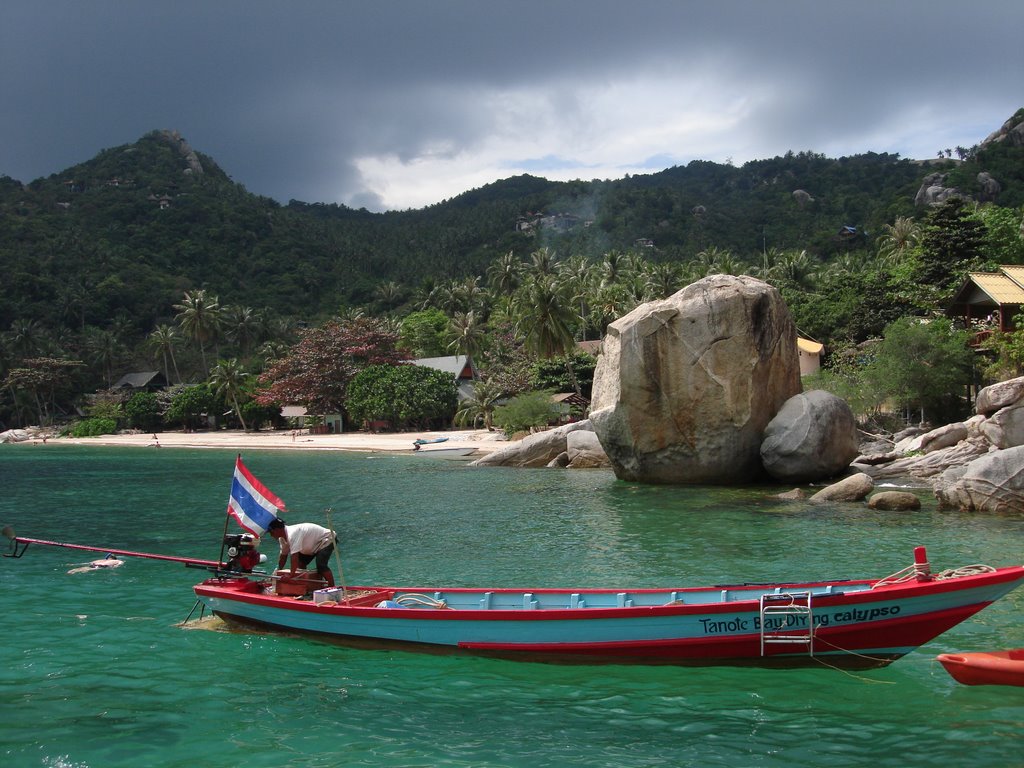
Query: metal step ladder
791, 620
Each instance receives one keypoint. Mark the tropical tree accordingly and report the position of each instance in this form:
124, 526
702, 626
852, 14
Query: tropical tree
505, 274
402, 395
952, 243
542, 261
923, 365
525, 412
26, 337
424, 333
389, 294
199, 316
468, 334
317, 370
163, 339
143, 411
661, 280
480, 405
898, 239
243, 325
42, 378
187, 404
546, 319
229, 380
104, 350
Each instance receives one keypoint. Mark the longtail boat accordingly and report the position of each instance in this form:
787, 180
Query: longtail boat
851, 624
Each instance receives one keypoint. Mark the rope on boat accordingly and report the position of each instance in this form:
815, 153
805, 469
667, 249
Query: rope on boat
818, 639
965, 570
923, 570
422, 601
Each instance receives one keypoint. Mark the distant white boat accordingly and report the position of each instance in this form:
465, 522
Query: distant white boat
443, 453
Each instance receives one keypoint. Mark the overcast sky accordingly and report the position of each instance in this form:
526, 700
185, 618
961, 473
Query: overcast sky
394, 104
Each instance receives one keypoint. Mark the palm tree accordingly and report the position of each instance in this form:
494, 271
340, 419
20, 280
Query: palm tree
898, 239
799, 269
199, 316
480, 405
229, 380
243, 326
661, 280
542, 261
472, 295
505, 274
104, 350
578, 276
448, 297
546, 320
390, 294
163, 340
467, 332
26, 338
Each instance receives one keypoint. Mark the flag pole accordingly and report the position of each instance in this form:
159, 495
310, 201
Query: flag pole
337, 555
227, 513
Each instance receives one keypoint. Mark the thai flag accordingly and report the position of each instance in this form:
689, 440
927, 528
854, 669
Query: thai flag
252, 504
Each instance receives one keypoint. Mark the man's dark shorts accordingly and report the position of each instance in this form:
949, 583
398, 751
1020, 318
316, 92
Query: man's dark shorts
323, 558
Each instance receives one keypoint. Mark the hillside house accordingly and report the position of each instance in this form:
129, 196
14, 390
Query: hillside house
992, 299
810, 355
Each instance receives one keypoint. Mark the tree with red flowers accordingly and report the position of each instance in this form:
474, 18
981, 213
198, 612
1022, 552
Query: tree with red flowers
317, 370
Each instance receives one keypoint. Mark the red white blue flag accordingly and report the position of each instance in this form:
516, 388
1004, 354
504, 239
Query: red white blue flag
252, 504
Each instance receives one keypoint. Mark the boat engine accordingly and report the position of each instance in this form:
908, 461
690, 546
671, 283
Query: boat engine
242, 551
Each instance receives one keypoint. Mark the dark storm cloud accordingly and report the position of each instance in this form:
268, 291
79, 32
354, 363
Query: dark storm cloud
395, 104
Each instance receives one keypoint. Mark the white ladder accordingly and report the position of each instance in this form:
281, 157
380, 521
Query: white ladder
791, 618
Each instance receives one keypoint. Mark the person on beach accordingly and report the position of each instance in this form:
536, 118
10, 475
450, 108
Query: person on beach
304, 542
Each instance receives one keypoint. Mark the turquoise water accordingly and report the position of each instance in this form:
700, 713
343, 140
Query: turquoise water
97, 673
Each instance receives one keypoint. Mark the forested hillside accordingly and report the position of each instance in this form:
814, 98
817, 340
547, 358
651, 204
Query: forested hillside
130, 230
106, 262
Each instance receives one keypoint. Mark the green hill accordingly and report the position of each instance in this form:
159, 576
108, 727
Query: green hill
114, 242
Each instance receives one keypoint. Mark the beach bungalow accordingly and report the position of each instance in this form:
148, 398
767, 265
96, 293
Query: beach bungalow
142, 381
459, 366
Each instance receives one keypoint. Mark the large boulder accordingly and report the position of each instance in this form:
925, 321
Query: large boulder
537, 450
584, 450
14, 436
995, 396
853, 488
812, 437
1005, 428
993, 483
686, 386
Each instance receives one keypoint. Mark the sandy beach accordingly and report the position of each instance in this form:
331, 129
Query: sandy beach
480, 440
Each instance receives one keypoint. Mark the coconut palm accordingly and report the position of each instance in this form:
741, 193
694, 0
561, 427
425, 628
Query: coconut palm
799, 269
467, 332
26, 338
390, 294
104, 349
480, 405
163, 340
199, 316
542, 261
545, 317
505, 274
243, 326
898, 239
661, 280
229, 380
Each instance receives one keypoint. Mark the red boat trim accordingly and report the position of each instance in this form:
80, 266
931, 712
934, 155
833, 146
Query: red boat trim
229, 591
